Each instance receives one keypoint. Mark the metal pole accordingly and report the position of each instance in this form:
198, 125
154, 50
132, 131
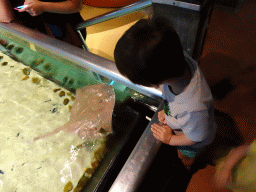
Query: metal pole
83, 40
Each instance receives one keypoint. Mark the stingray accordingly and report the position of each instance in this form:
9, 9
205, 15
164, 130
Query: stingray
91, 114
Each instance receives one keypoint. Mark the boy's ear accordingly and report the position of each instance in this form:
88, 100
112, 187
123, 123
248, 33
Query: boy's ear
166, 81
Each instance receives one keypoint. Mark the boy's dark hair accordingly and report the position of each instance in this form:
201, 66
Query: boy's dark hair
150, 52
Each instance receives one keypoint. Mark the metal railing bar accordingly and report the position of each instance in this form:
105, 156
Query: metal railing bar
115, 14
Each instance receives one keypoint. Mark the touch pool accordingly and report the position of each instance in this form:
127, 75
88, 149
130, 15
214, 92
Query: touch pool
40, 79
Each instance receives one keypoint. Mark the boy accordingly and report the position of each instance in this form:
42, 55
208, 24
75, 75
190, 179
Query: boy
150, 54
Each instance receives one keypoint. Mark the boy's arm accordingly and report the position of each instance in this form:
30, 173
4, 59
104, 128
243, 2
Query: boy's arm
36, 7
6, 12
164, 133
180, 140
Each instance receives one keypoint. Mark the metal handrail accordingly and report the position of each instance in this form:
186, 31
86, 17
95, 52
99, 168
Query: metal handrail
115, 14
142, 4
139, 161
71, 55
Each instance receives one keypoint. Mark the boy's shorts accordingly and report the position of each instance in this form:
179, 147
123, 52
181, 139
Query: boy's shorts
189, 151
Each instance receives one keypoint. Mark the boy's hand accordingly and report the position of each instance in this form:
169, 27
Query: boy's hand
161, 117
162, 133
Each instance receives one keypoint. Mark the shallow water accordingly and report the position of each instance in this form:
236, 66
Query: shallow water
30, 107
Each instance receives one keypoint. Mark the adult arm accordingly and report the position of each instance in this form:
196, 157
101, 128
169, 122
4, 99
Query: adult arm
6, 12
36, 7
224, 177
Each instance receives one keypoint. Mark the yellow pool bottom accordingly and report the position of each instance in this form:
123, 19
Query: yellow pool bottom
31, 106
102, 38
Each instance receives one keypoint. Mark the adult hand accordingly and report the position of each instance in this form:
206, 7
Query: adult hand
162, 133
34, 8
161, 117
223, 178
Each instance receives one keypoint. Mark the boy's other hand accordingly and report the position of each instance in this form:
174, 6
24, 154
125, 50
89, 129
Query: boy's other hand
162, 133
161, 117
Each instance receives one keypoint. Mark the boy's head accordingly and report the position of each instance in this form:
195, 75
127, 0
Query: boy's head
150, 53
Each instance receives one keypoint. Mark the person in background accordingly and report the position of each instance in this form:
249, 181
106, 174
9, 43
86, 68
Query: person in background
150, 54
6, 16
56, 18
237, 171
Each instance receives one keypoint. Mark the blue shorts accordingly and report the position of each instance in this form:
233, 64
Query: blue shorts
189, 151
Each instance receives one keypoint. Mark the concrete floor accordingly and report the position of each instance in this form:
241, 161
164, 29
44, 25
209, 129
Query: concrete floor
229, 53
228, 62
